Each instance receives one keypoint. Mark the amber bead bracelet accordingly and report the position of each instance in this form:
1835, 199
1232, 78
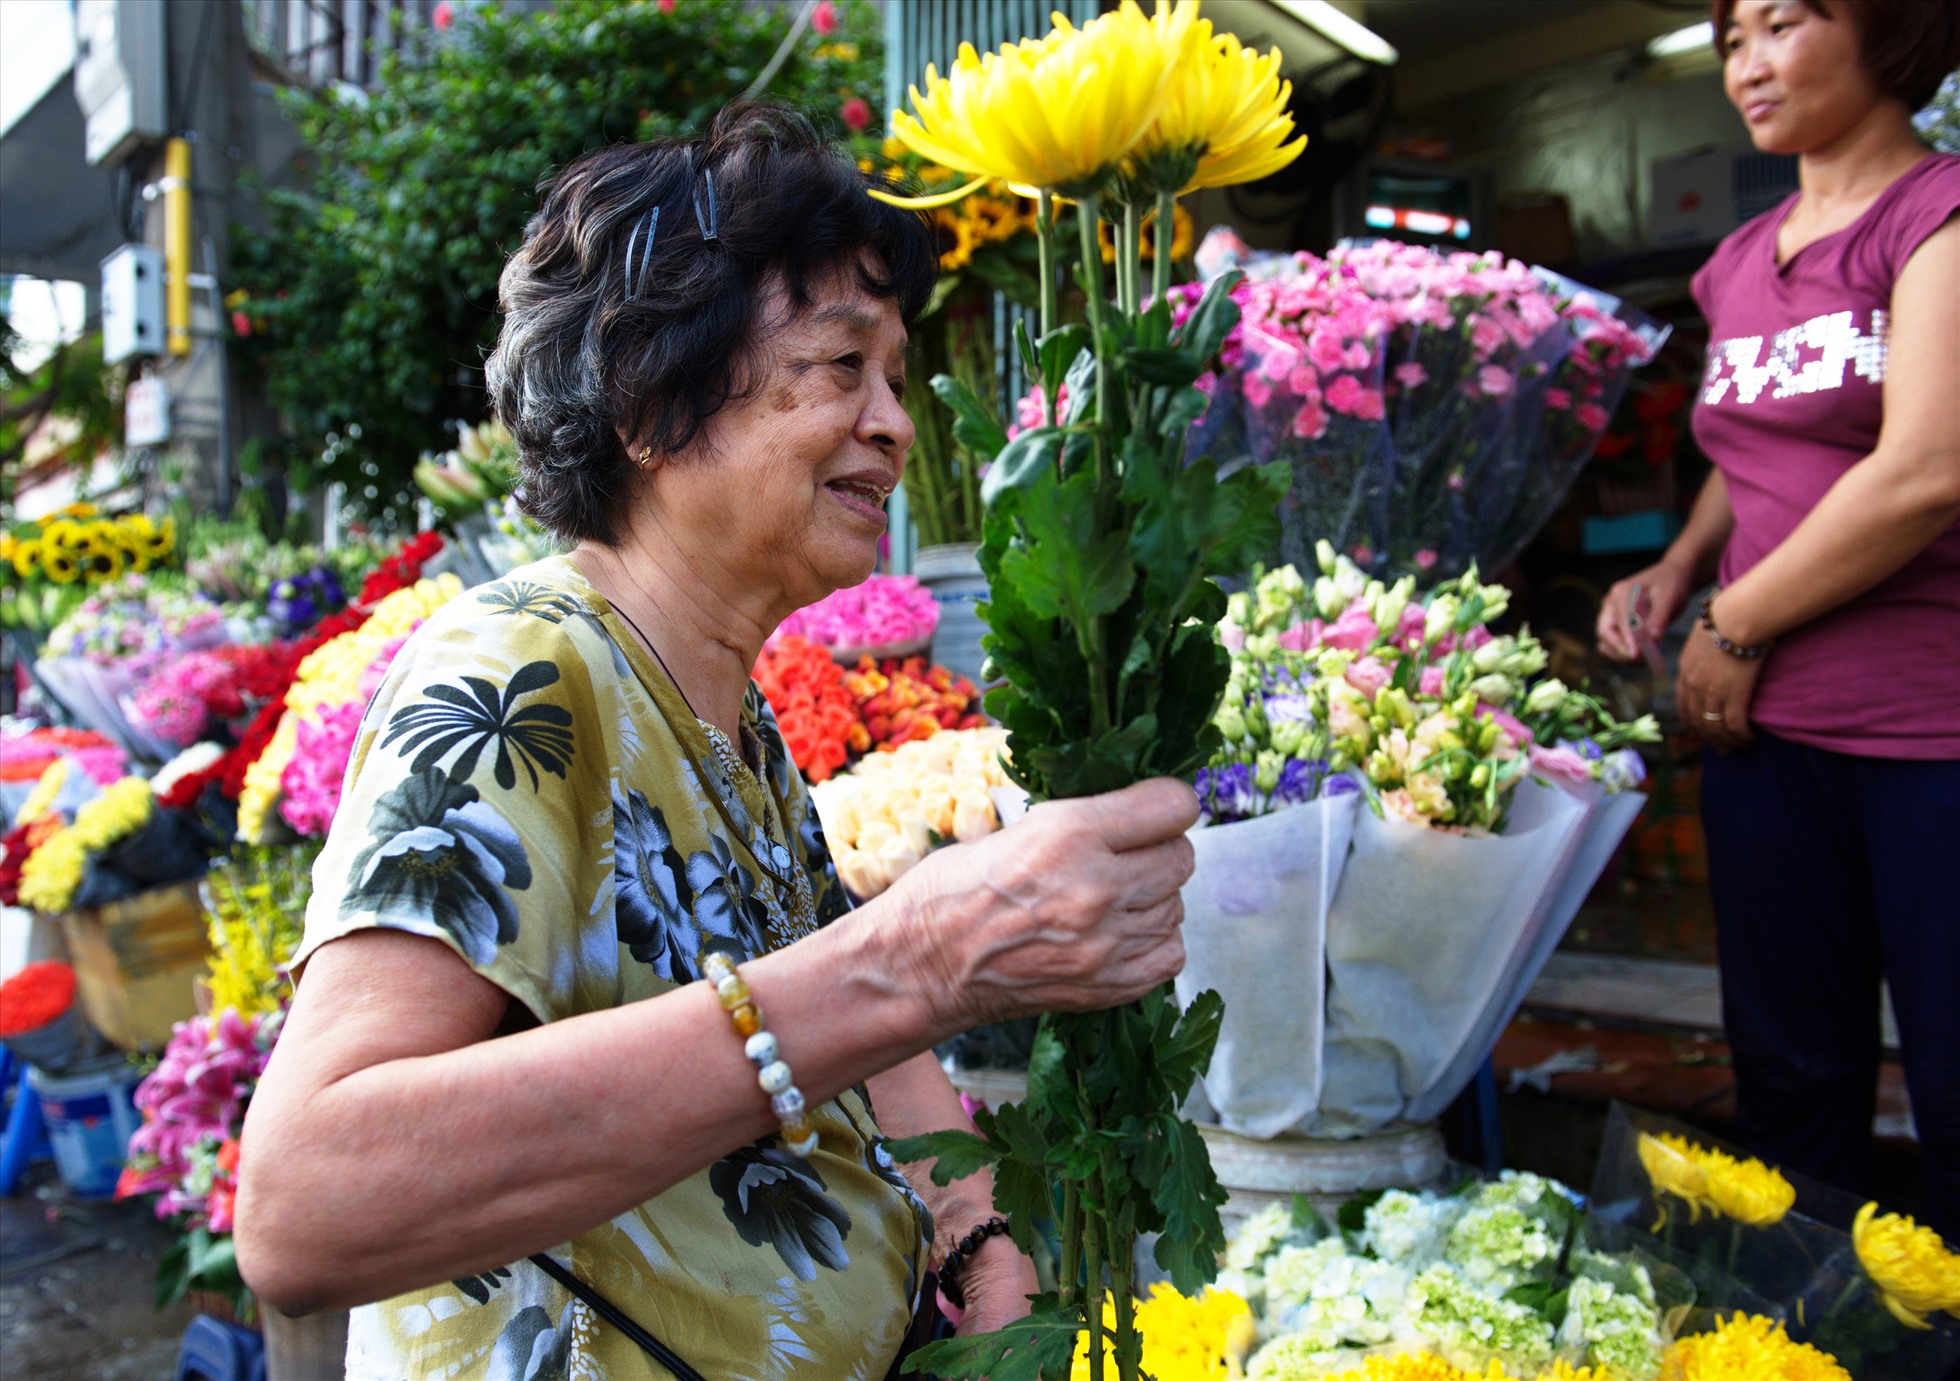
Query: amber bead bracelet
785, 1098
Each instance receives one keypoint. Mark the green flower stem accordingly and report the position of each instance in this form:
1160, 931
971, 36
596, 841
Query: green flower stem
1090, 637
1129, 259
1122, 1273
1160, 268
1069, 1276
1044, 225
1092, 1249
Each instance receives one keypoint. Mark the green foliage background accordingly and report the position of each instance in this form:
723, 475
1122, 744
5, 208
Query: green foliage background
373, 290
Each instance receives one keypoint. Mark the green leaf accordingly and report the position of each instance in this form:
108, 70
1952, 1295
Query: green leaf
1060, 349
1188, 1195
1030, 357
956, 1154
1211, 321
1306, 1218
173, 1273
1545, 1298
1187, 1053
1021, 462
974, 426
1029, 1349
1062, 569
1172, 368
1353, 1216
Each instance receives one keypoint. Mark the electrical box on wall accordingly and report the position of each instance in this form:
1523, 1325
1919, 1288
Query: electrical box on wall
132, 303
121, 76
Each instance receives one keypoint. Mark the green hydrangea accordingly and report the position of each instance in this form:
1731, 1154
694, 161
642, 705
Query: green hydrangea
1467, 1325
1499, 1246
1518, 1189
1618, 1332
1259, 1237
1295, 1357
1293, 1272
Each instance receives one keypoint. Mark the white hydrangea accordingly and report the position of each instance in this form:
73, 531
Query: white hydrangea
1409, 1228
1617, 1332
1259, 1237
1293, 1272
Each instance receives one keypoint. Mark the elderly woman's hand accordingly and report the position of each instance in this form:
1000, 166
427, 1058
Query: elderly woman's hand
1075, 908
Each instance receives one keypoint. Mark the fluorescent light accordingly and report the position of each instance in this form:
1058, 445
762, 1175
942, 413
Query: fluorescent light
1380, 217
1695, 37
1339, 30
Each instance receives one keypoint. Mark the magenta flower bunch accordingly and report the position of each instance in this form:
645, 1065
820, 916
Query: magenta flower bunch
885, 616
193, 1104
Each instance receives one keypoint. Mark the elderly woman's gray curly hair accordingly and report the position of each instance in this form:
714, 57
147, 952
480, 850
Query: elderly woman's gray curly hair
598, 360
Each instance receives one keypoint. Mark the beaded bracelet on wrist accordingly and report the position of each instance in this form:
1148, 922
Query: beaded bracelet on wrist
956, 1260
799, 1133
1722, 644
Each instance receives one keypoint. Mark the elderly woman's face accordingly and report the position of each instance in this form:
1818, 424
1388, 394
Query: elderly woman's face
789, 489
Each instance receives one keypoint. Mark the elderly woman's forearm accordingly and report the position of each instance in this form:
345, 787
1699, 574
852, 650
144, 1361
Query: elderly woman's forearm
366, 1177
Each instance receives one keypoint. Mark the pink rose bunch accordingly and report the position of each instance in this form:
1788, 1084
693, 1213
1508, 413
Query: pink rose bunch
885, 612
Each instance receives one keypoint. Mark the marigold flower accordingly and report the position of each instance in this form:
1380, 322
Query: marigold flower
1914, 1272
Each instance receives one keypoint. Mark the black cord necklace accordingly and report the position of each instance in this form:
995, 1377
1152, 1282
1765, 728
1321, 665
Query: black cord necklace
673, 679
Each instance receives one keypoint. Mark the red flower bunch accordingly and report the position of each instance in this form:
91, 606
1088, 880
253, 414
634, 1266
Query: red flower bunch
908, 700
35, 996
274, 676
21, 841
817, 714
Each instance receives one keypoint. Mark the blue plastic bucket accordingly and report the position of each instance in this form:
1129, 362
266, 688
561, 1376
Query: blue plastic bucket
90, 1118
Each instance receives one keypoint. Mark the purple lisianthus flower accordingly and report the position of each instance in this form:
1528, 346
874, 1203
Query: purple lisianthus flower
1623, 770
1588, 749
1283, 708
1299, 782
1226, 794
1340, 784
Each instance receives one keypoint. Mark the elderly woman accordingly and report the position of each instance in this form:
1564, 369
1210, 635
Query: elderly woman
505, 1105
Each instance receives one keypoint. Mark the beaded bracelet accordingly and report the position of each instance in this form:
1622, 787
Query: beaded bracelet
956, 1259
799, 1133
1734, 649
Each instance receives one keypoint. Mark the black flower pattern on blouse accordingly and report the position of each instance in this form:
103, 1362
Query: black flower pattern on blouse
528, 597
471, 719
440, 853
776, 1200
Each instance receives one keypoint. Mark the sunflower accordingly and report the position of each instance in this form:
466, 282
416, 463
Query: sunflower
60, 563
956, 238
102, 560
996, 218
24, 555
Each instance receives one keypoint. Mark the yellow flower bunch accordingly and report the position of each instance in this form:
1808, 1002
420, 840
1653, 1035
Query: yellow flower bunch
1060, 112
256, 902
1202, 1339
1705, 1178
882, 816
331, 675
45, 790
1224, 120
1914, 1272
77, 544
50, 875
1427, 1366
1748, 1347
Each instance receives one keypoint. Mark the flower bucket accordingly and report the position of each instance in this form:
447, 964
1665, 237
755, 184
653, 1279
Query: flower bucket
952, 573
1256, 1173
90, 1118
54, 1046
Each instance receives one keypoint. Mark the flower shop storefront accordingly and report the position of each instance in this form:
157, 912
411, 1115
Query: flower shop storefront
1214, 513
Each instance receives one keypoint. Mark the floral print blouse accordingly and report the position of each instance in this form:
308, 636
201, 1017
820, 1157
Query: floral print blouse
529, 788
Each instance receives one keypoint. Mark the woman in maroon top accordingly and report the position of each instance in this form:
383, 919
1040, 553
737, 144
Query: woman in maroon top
1825, 671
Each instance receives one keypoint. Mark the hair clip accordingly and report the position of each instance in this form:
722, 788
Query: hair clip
647, 224
707, 224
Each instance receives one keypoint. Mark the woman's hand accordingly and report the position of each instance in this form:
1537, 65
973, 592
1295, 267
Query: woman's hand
1714, 691
1075, 908
1638, 610
997, 1283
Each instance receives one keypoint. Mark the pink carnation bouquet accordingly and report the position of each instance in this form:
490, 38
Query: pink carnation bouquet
1435, 406
886, 616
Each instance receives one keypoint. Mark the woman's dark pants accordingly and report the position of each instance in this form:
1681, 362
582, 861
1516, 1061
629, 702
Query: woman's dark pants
1831, 872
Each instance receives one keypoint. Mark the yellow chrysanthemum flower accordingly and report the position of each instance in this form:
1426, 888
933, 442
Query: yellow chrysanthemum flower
1744, 1347
1061, 111
1914, 1272
1202, 1339
1674, 1166
52, 779
1225, 120
122, 808
259, 793
1747, 1190
50, 875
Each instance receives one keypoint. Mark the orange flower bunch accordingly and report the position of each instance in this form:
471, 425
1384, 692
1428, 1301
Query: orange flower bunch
817, 713
902, 702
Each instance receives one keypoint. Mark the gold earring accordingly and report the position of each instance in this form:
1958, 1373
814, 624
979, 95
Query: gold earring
644, 458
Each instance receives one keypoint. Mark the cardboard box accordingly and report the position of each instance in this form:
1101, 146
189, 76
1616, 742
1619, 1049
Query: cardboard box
135, 961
